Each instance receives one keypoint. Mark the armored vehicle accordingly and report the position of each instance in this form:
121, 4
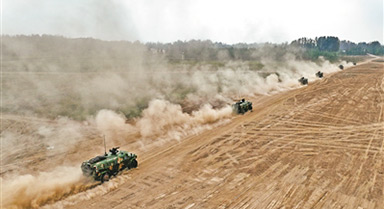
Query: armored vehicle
319, 74
354, 63
102, 167
341, 67
242, 106
303, 81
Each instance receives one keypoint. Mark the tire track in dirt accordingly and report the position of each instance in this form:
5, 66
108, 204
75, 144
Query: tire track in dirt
313, 147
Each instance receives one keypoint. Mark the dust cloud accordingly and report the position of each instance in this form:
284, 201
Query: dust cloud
32, 191
55, 119
91, 192
161, 120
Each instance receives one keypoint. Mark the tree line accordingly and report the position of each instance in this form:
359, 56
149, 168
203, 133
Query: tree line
333, 44
329, 47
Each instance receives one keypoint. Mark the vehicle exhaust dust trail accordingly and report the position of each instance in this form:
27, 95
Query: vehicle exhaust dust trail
33, 191
93, 191
162, 120
160, 97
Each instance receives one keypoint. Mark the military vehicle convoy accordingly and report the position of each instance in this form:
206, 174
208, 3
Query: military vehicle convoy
303, 81
242, 106
103, 167
319, 74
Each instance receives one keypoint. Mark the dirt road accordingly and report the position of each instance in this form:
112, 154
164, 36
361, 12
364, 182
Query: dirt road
319, 146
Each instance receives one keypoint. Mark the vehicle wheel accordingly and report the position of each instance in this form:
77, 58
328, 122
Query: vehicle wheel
133, 164
105, 177
126, 166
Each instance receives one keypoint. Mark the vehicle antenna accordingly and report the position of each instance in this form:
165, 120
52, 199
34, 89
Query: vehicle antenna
105, 147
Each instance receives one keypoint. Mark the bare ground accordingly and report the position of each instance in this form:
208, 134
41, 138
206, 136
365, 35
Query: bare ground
319, 146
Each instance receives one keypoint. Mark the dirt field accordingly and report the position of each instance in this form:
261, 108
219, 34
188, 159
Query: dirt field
319, 146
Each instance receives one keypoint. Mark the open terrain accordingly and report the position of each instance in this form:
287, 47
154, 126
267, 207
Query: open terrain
319, 146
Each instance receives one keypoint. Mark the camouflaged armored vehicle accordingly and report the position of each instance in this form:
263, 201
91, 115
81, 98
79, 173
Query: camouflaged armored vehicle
242, 107
102, 167
303, 81
341, 67
319, 74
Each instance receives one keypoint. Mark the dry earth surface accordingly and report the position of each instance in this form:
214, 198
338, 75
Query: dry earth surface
319, 146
